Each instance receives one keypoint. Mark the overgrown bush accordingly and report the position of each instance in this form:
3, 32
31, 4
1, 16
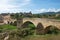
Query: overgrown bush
31, 26
28, 29
0, 30
26, 32
52, 30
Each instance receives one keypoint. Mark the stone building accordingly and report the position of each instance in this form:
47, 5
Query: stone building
6, 19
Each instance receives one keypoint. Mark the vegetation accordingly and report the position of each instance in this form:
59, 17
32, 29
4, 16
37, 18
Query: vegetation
7, 27
52, 30
28, 30
51, 15
42, 37
29, 33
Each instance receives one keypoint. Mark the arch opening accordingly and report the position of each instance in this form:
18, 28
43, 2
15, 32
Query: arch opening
28, 24
51, 29
28, 28
40, 29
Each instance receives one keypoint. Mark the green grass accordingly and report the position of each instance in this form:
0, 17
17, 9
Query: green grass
31, 37
42, 37
8, 27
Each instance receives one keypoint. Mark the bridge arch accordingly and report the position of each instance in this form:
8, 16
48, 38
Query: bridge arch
50, 29
27, 23
35, 21
51, 26
40, 26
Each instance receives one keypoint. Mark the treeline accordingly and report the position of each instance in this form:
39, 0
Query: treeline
55, 15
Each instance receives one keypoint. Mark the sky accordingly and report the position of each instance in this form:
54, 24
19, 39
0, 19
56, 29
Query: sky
35, 6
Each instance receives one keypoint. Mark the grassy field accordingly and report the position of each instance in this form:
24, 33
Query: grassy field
30, 37
7, 27
43, 37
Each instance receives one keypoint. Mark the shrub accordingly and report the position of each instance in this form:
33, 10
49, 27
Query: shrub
0, 30
52, 30
26, 32
31, 26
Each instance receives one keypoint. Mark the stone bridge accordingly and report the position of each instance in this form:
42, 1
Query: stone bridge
36, 21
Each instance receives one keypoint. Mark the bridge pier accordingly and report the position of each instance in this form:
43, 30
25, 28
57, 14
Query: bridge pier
19, 23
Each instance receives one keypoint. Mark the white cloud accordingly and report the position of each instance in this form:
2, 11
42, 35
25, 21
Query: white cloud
58, 10
12, 5
41, 10
47, 10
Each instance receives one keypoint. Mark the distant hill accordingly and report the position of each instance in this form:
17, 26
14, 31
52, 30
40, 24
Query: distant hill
50, 13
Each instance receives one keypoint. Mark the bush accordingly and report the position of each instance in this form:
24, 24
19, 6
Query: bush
28, 29
0, 30
52, 30
31, 26
26, 32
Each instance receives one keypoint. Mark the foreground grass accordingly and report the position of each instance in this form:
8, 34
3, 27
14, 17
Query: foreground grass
43, 37
15, 36
8, 27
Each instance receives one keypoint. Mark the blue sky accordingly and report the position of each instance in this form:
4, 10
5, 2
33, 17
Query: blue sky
36, 6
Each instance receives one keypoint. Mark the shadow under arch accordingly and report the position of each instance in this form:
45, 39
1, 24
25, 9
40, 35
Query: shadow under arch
51, 29
40, 28
28, 24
